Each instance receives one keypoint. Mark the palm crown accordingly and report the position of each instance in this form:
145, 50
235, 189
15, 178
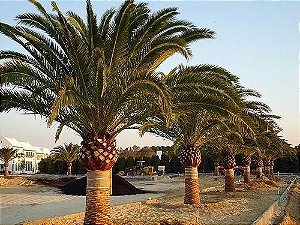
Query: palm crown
7, 154
68, 152
94, 77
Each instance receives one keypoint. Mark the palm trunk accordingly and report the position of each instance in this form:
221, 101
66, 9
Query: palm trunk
247, 163
190, 158
97, 198
69, 169
229, 163
272, 169
259, 167
217, 172
246, 174
271, 173
267, 171
6, 174
99, 154
258, 172
229, 180
191, 195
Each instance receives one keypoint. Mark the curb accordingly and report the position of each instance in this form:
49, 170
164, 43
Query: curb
279, 204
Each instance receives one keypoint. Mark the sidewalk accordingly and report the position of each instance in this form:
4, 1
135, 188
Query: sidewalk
17, 208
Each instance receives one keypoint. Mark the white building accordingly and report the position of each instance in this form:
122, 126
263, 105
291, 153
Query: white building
28, 156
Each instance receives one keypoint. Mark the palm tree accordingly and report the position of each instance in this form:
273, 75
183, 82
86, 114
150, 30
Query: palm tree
215, 155
96, 77
256, 115
272, 146
68, 153
203, 99
7, 154
249, 149
229, 144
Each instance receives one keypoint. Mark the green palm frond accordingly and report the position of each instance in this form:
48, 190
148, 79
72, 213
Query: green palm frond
67, 152
7, 154
89, 74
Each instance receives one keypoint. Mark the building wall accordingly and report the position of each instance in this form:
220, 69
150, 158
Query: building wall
27, 157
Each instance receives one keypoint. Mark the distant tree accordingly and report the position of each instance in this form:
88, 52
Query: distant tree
130, 161
68, 153
136, 148
78, 167
60, 166
175, 165
138, 158
42, 166
155, 161
167, 150
54, 166
288, 164
165, 161
146, 152
7, 154
120, 164
147, 161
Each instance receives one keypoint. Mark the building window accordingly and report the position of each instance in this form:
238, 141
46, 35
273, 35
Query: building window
29, 154
28, 166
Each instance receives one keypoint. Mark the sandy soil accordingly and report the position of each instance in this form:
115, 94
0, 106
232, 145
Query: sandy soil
15, 180
217, 207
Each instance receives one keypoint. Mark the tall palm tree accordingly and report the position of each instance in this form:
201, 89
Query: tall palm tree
248, 150
95, 77
229, 144
272, 146
215, 155
203, 99
7, 154
68, 153
255, 114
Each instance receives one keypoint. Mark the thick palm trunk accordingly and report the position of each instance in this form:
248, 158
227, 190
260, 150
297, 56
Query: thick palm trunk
190, 159
247, 162
259, 166
217, 172
98, 154
271, 177
272, 169
229, 180
69, 169
229, 163
247, 174
97, 198
6, 174
191, 195
258, 172
267, 168
267, 171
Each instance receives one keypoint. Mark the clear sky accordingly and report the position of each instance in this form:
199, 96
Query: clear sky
258, 41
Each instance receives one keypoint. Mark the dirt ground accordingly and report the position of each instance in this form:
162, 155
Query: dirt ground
217, 207
15, 180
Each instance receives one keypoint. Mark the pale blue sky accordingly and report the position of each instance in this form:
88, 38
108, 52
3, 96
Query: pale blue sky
258, 41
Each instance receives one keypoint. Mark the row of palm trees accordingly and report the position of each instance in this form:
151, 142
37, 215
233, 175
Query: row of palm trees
100, 77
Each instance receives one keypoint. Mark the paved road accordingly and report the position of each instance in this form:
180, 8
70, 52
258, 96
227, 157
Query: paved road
32, 203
